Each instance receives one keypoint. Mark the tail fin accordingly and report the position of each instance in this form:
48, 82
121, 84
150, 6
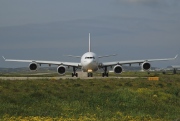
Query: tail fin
89, 43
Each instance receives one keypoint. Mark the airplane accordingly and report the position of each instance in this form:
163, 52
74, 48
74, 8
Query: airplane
173, 68
90, 63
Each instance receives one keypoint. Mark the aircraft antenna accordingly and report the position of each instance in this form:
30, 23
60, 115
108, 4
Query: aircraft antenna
89, 43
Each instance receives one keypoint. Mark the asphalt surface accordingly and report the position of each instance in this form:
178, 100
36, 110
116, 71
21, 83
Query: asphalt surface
64, 77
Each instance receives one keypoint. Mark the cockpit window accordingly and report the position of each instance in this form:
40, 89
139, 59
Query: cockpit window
89, 57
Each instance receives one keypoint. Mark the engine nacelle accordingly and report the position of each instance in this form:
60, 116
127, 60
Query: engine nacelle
146, 66
61, 70
118, 69
33, 66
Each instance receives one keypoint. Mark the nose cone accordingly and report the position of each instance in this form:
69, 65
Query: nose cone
89, 61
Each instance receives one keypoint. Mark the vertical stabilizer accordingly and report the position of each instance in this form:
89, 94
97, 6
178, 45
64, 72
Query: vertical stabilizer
89, 43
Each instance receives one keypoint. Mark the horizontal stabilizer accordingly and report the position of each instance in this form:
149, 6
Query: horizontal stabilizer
73, 56
106, 56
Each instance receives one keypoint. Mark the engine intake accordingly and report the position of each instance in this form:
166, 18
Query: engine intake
118, 69
61, 70
146, 66
33, 66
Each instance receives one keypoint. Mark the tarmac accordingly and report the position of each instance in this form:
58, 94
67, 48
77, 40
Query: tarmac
62, 77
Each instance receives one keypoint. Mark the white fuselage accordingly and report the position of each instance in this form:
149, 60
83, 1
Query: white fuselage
89, 62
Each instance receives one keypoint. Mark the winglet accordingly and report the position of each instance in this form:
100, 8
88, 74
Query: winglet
4, 58
176, 56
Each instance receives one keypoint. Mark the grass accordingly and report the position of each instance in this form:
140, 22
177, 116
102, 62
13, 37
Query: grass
93, 99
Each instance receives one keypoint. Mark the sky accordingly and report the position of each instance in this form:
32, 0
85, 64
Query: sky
50, 29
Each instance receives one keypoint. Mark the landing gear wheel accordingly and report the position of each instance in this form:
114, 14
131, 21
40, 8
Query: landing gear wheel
102, 74
90, 75
74, 74
174, 71
105, 74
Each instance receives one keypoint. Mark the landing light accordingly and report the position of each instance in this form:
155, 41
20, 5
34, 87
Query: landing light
89, 70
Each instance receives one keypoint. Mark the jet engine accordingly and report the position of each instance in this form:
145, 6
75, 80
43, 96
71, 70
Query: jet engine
118, 69
146, 66
33, 66
61, 70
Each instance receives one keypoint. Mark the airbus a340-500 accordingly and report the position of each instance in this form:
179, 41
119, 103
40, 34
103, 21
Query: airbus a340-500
90, 63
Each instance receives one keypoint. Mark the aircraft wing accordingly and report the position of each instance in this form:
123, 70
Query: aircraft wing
134, 61
73, 64
176, 66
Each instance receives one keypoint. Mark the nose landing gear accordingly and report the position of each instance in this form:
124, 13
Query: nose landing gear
90, 74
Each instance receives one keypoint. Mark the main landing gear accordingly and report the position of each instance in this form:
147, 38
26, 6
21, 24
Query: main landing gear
105, 72
174, 71
74, 72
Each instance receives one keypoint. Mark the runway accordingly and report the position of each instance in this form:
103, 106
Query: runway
63, 77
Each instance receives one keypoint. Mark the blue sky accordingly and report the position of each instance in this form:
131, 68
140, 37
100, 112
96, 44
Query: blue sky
49, 29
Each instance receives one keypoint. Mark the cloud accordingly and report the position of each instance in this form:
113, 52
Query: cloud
170, 3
